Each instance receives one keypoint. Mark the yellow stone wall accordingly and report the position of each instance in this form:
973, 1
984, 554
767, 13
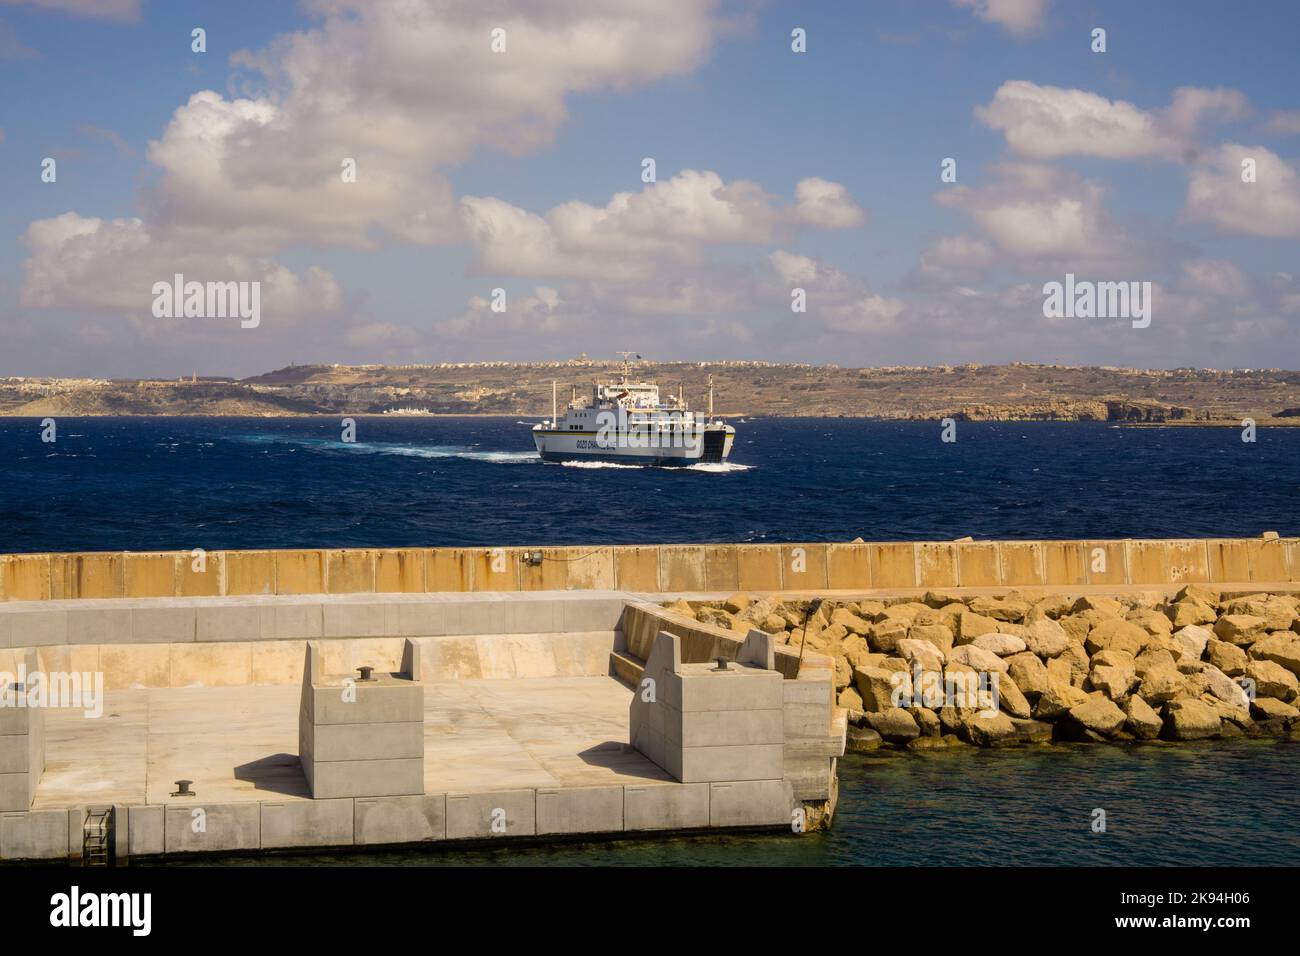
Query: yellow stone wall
651, 568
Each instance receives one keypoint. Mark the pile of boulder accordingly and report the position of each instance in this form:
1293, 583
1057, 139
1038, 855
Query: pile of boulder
1201, 664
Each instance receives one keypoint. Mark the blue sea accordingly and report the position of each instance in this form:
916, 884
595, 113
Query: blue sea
144, 484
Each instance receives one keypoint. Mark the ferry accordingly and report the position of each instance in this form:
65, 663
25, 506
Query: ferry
627, 422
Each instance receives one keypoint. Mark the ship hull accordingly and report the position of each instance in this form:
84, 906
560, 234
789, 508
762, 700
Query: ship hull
560, 447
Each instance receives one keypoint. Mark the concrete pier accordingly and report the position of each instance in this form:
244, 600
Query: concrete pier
512, 732
526, 686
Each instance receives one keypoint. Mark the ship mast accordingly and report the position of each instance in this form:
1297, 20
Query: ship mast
627, 365
710, 396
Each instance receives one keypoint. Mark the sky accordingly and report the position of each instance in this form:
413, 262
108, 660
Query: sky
415, 181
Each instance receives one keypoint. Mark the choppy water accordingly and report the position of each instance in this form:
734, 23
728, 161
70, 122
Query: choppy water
142, 484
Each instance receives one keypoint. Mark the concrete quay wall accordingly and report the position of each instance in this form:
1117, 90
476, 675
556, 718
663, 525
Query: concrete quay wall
650, 569
480, 816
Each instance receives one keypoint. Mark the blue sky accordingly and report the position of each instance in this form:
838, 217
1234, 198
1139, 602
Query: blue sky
1067, 161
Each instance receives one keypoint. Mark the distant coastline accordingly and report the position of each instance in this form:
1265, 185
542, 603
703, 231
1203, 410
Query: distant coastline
1014, 392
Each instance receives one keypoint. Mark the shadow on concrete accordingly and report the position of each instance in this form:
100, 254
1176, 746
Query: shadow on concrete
623, 758
278, 773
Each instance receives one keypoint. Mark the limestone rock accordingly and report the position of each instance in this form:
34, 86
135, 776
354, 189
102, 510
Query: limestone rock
1239, 629
1193, 640
1010, 699
1162, 684
862, 739
927, 720
1281, 647
1076, 658
1032, 731
1117, 634
1076, 627
1198, 592
1007, 608
895, 725
875, 685
1003, 645
1113, 658
1272, 680
886, 634
682, 607
1190, 612
1097, 714
737, 603
851, 700
1224, 687
1270, 708
1190, 720
851, 622
1115, 682
1029, 673
929, 657
990, 730
1108, 606
1057, 699
1142, 721
1150, 620
971, 625
977, 658
1154, 658
937, 634
1229, 658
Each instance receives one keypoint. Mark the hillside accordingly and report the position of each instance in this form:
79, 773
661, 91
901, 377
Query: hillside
970, 392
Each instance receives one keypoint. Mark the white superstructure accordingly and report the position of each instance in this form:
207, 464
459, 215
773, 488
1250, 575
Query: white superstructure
628, 422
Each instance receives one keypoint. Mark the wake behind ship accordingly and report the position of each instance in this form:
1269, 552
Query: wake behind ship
627, 422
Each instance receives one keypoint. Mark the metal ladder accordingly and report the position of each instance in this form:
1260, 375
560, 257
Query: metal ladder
96, 837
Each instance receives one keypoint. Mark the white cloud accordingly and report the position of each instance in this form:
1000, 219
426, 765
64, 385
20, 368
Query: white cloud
95, 265
637, 235
1034, 213
1020, 17
826, 205
1269, 207
1049, 122
407, 89
840, 302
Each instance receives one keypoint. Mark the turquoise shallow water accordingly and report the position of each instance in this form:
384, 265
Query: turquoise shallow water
1213, 804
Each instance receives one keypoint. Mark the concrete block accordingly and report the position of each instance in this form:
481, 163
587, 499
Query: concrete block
1022, 562
365, 778
39, 627
145, 831
758, 567
249, 572
480, 614
135, 665
636, 568
848, 567
709, 764
216, 829
803, 567
15, 792
211, 665
6, 626
27, 577
350, 571
307, 823
421, 619
360, 619
411, 819
533, 616
299, 572
936, 564
395, 702
737, 688
150, 575
722, 728
580, 810
14, 753
34, 835
192, 582
893, 564
99, 622
297, 621
591, 613
681, 568
676, 806
491, 814
369, 741
751, 803
161, 624
810, 777
229, 622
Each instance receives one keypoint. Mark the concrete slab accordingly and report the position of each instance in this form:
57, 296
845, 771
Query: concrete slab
145, 830
212, 828
481, 816
380, 820
671, 806
580, 810
37, 835
307, 823
750, 803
